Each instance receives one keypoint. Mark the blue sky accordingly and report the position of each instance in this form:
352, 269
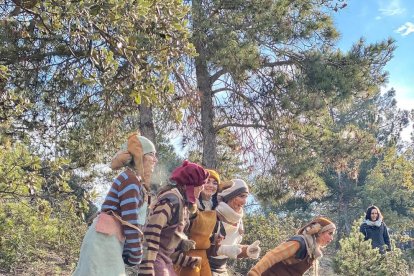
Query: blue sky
376, 20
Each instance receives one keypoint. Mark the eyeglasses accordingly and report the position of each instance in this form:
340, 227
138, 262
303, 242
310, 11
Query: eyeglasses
152, 154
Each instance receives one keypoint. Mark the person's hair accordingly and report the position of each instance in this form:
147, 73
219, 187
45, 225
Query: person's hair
368, 212
317, 226
172, 185
213, 200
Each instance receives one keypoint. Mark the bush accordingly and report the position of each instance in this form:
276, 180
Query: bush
40, 224
31, 236
357, 257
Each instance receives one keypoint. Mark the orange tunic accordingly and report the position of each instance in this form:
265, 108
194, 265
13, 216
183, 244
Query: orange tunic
201, 230
282, 261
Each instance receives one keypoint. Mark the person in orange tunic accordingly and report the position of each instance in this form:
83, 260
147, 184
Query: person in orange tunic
205, 228
295, 256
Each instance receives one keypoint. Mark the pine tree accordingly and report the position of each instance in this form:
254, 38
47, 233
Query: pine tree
394, 263
357, 257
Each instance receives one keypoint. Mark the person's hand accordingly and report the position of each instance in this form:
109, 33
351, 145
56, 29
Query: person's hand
187, 245
218, 238
253, 250
180, 259
195, 262
230, 251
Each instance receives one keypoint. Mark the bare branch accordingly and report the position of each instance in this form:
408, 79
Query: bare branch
220, 90
279, 63
217, 75
181, 81
217, 128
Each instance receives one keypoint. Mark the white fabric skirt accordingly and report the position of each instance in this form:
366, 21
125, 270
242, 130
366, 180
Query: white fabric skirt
100, 255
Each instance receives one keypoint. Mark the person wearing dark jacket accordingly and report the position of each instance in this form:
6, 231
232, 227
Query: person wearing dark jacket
374, 228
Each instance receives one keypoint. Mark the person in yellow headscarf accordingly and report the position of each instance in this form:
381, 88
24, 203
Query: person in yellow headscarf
208, 197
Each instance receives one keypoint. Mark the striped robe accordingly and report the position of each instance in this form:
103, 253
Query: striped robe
128, 198
163, 233
105, 254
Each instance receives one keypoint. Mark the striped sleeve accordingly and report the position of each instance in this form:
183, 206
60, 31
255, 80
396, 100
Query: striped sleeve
282, 252
158, 219
181, 259
111, 201
130, 198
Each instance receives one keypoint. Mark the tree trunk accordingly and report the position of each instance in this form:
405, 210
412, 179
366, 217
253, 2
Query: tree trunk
344, 227
146, 123
209, 159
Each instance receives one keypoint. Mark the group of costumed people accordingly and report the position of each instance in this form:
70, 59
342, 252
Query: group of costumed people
191, 228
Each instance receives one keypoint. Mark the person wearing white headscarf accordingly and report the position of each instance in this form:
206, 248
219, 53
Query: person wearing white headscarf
230, 212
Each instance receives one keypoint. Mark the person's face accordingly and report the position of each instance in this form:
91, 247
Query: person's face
197, 190
374, 214
150, 160
237, 203
325, 238
210, 188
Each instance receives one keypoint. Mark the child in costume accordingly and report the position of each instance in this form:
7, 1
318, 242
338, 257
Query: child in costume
205, 229
208, 197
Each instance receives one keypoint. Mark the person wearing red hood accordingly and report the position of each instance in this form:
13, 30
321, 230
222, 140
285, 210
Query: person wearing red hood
164, 231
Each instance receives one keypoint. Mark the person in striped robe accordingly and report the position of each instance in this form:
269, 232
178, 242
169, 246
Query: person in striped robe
115, 236
164, 231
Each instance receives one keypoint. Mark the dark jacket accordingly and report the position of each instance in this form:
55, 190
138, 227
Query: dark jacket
378, 235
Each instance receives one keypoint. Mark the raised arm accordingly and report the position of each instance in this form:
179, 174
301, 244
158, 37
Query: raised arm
282, 252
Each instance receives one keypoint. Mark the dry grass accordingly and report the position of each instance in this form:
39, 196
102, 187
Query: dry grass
51, 265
